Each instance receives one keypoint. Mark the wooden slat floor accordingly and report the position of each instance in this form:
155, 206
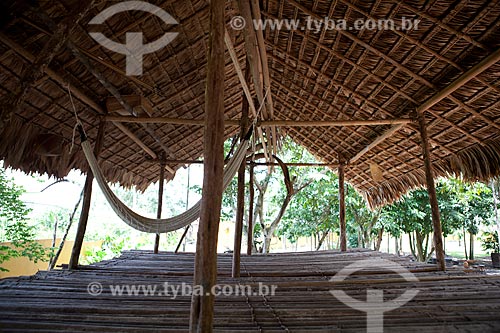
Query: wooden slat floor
59, 301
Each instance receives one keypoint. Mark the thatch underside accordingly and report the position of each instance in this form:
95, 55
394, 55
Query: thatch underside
331, 75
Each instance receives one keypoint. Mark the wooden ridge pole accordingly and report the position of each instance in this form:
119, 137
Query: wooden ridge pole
160, 201
87, 194
205, 272
431, 189
342, 222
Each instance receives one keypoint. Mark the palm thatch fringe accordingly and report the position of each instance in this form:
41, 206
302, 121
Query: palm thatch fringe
19, 143
476, 163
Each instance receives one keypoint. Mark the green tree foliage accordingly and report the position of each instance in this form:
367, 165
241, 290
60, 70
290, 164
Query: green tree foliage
314, 210
363, 223
13, 221
463, 206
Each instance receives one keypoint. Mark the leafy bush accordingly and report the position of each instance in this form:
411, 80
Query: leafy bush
13, 214
490, 242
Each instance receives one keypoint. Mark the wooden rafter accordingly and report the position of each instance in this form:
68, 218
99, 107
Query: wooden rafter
14, 100
78, 93
254, 58
446, 92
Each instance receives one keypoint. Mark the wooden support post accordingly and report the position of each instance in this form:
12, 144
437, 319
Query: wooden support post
238, 228
87, 194
240, 203
205, 272
182, 239
431, 189
160, 200
343, 232
251, 195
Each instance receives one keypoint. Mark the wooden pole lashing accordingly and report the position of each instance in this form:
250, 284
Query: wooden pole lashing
205, 274
161, 182
431, 189
87, 194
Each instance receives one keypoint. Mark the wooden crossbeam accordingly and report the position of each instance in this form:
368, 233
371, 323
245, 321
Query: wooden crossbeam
289, 164
376, 142
263, 123
78, 93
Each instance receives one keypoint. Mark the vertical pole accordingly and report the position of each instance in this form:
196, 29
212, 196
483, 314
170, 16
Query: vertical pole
205, 272
251, 195
343, 234
238, 230
87, 194
240, 201
160, 200
431, 189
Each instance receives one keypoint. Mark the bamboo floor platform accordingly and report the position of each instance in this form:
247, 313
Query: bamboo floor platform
453, 301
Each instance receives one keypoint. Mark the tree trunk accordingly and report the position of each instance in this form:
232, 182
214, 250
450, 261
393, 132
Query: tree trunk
272, 228
471, 246
322, 239
419, 240
54, 237
66, 232
412, 245
465, 244
379, 239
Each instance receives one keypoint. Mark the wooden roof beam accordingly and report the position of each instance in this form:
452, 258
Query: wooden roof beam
461, 81
398, 66
254, 56
365, 45
13, 100
376, 142
265, 72
280, 123
114, 91
357, 95
76, 92
489, 61
244, 84
383, 82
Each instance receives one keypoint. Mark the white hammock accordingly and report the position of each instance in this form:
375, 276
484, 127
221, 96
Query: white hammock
150, 225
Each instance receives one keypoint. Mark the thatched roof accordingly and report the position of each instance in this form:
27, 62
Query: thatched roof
330, 75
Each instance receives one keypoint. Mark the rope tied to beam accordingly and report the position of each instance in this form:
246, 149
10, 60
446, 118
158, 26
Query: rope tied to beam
77, 120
